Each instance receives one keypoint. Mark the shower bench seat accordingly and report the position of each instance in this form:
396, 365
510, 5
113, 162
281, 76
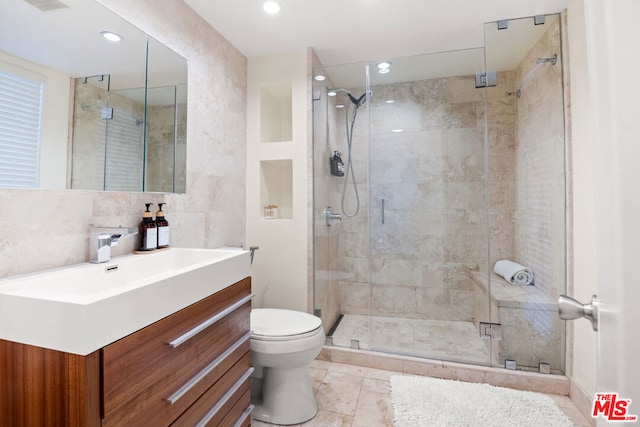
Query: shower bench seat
504, 294
531, 327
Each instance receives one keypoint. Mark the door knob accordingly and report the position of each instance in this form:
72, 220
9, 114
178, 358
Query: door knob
570, 309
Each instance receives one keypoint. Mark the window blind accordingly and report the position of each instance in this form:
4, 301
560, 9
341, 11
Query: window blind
124, 139
20, 122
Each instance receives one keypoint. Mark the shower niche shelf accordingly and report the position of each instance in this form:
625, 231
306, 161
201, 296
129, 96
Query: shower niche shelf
276, 189
276, 123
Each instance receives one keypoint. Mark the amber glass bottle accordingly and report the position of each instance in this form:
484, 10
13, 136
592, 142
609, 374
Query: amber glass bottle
148, 231
163, 228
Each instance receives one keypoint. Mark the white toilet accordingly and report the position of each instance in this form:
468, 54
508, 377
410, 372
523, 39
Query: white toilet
283, 344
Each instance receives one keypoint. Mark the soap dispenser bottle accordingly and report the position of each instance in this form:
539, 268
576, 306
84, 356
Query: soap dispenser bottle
163, 228
148, 231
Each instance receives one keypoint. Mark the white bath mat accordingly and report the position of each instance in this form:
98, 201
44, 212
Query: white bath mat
433, 402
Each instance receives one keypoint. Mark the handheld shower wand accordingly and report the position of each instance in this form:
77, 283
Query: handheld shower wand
349, 173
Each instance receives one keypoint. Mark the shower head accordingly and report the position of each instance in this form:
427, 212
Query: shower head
359, 102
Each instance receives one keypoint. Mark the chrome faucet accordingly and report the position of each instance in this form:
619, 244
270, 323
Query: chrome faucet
330, 216
101, 239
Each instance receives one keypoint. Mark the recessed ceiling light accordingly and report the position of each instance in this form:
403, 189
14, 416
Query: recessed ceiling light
332, 93
397, 130
383, 65
390, 101
319, 77
112, 37
271, 7
339, 105
384, 70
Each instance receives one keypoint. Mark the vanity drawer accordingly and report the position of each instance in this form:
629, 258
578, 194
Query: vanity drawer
224, 403
143, 372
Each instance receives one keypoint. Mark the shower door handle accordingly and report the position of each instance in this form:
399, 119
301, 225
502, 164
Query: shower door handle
569, 309
382, 211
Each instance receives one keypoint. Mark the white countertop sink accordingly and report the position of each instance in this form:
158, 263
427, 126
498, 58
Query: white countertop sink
81, 308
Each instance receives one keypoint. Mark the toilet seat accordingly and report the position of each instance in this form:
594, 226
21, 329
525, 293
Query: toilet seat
274, 324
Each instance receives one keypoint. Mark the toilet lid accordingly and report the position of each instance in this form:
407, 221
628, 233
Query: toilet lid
276, 322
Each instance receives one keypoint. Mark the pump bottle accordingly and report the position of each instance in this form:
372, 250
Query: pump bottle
148, 231
163, 228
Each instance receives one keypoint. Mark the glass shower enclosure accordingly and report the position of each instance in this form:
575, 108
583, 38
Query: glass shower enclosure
451, 162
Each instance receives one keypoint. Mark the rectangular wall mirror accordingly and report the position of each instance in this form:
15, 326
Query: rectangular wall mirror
106, 115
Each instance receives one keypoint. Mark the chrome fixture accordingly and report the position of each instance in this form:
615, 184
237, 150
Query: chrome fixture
101, 239
552, 59
538, 20
252, 250
570, 309
517, 93
488, 79
330, 216
490, 331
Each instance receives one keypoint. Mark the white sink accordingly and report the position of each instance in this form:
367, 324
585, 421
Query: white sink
81, 308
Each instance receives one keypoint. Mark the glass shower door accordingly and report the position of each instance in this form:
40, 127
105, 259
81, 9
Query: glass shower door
525, 116
341, 248
428, 210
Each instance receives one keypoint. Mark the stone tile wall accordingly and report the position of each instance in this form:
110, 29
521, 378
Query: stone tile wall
431, 177
540, 164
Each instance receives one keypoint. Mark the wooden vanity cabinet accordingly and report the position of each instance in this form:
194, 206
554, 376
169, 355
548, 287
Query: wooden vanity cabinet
192, 366
42, 387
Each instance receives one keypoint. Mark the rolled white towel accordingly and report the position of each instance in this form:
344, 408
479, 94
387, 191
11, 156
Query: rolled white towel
513, 272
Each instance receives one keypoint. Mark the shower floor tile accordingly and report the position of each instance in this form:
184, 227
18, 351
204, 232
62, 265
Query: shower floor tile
436, 339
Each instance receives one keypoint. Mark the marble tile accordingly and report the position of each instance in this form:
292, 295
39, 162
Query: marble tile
362, 358
377, 386
339, 392
520, 380
571, 411
329, 419
316, 375
439, 339
373, 409
370, 402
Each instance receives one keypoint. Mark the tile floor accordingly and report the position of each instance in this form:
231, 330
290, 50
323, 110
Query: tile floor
436, 339
356, 396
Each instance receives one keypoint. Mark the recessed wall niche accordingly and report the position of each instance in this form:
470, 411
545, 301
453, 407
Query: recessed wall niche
275, 113
276, 189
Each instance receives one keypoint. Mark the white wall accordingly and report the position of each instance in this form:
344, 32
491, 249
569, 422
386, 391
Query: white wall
612, 34
280, 269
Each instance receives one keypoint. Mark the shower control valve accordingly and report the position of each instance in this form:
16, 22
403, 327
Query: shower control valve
330, 216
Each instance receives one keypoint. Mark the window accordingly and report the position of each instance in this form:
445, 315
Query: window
20, 123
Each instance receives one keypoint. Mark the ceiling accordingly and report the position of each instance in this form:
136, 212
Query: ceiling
348, 31
340, 31
68, 39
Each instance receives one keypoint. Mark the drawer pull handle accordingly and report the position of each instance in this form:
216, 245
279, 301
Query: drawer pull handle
210, 367
244, 416
210, 321
213, 411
